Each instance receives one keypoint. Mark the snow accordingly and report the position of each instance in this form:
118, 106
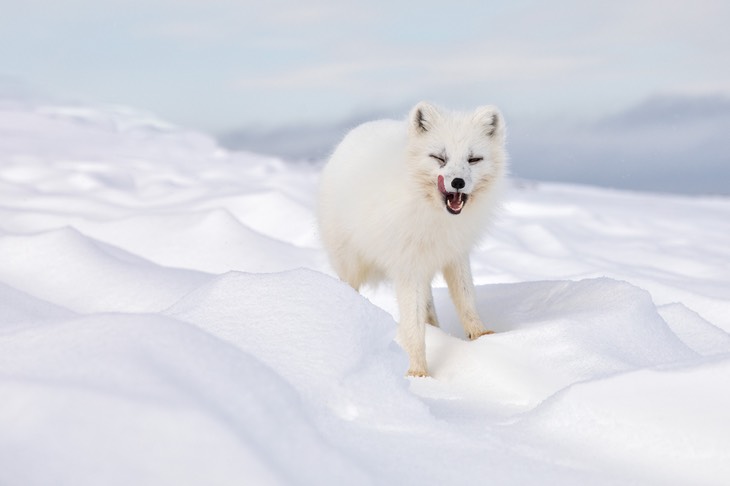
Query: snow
167, 316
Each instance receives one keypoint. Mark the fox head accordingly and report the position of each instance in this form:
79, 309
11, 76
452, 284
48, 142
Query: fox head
456, 157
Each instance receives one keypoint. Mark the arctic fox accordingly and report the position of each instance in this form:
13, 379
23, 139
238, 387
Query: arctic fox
406, 200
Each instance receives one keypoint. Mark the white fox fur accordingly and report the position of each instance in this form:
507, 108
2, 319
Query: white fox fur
384, 213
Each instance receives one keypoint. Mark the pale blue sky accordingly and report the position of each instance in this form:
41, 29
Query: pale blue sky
221, 64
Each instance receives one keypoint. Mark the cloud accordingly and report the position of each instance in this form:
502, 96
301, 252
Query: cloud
671, 110
225, 63
310, 142
665, 143
403, 74
308, 76
671, 143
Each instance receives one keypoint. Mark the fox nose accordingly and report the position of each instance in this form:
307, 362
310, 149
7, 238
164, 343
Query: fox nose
458, 183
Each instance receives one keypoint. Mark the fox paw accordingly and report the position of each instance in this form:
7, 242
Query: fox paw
417, 373
479, 334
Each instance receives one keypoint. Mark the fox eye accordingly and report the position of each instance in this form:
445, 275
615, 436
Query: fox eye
474, 160
440, 158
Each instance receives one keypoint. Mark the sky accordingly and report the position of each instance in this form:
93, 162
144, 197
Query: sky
223, 66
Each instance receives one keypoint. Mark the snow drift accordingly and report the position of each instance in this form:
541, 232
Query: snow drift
167, 316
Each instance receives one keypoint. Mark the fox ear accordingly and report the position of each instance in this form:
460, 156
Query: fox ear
490, 119
424, 116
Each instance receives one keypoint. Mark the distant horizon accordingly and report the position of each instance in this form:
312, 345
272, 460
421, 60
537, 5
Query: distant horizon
672, 144
663, 144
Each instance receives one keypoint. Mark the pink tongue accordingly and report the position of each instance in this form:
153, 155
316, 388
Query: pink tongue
454, 200
442, 188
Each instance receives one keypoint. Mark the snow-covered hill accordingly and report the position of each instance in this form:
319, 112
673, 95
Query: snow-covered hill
167, 316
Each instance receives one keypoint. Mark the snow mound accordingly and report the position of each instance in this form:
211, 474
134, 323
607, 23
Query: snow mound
212, 241
151, 400
69, 269
549, 335
283, 219
18, 306
655, 425
323, 338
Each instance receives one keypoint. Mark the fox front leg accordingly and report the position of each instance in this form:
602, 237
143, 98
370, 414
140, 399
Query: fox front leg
431, 317
461, 288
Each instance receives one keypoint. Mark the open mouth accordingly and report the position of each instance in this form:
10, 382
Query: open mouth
454, 201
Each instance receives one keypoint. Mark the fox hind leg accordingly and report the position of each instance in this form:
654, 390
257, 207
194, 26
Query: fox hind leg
413, 298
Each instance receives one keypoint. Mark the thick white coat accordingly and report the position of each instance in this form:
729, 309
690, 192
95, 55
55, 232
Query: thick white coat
382, 215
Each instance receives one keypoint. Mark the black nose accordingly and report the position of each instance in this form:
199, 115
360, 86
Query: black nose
458, 183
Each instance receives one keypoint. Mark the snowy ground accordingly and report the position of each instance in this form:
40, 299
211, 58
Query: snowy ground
167, 316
